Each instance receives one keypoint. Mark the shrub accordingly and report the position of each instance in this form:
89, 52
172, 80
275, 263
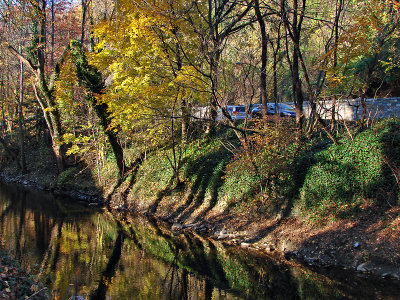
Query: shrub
263, 172
341, 177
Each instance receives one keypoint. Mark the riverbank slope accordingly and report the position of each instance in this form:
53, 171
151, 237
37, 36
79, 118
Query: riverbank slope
322, 204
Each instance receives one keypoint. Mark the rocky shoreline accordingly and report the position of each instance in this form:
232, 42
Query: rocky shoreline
287, 238
315, 255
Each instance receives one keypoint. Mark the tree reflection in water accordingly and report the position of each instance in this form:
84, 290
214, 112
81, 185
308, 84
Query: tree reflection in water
97, 255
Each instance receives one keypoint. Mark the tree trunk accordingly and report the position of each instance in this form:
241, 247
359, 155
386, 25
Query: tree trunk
94, 83
44, 90
52, 35
21, 118
84, 6
339, 9
297, 92
105, 121
3, 120
293, 27
214, 65
185, 111
264, 52
275, 73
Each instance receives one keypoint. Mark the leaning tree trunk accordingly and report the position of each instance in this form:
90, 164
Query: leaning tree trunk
105, 120
94, 83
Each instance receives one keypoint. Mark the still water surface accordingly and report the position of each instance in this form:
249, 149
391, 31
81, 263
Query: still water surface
93, 254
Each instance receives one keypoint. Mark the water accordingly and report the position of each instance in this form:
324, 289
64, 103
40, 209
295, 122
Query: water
94, 254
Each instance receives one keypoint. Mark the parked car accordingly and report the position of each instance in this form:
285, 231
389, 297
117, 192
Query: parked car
284, 110
237, 112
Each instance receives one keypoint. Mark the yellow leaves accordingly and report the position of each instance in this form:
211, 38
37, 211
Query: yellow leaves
395, 4
74, 149
334, 78
389, 65
78, 145
138, 48
360, 40
187, 75
49, 109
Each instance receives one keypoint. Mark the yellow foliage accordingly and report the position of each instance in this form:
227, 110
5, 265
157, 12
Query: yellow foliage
137, 48
360, 38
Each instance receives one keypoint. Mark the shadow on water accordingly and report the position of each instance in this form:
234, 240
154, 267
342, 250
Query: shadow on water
98, 255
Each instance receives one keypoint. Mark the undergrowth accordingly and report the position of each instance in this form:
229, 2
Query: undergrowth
275, 175
344, 179
320, 180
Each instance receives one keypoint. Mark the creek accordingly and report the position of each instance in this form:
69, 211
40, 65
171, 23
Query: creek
77, 251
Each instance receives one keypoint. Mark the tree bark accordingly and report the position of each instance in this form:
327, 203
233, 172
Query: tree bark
94, 84
264, 53
52, 35
44, 90
276, 59
21, 118
294, 27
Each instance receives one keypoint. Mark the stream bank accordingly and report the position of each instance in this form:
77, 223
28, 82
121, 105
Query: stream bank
322, 205
369, 246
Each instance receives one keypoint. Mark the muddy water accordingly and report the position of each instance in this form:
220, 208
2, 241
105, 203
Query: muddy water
94, 254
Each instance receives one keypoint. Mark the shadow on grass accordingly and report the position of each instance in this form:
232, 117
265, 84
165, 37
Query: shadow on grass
133, 170
206, 172
160, 195
284, 208
347, 182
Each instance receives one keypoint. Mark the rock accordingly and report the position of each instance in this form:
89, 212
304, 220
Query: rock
356, 244
363, 267
244, 245
223, 232
270, 248
309, 260
222, 236
190, 226
176, 227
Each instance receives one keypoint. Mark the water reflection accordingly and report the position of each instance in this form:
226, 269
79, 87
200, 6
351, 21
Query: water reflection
97, 255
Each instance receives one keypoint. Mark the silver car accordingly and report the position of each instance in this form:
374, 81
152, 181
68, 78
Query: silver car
237, 112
